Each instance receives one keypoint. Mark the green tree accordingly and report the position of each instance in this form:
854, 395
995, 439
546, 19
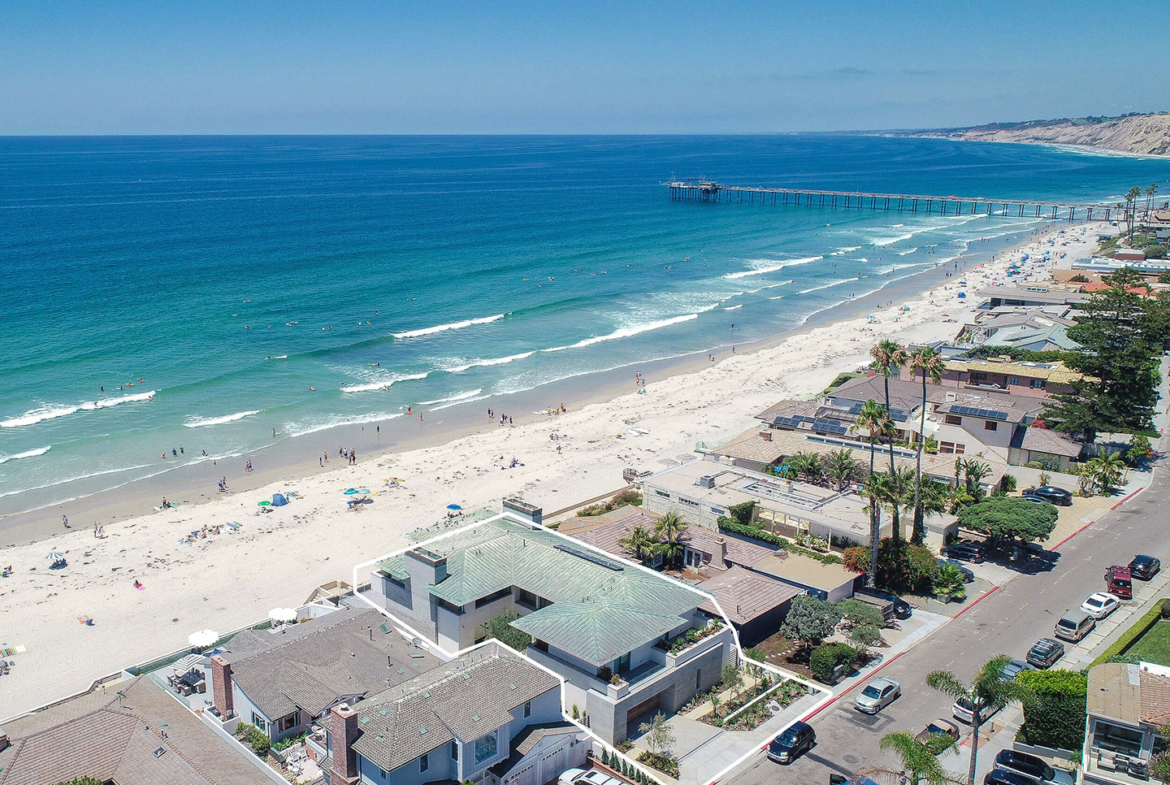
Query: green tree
974, 473
840, 466
1107, 470
640, 542
855, 613
732, 678
948, 583
670, 527
808, 464
1120, 334
824, 660
500, 627
1054, 715
864, 636
1010, 518
888, 359
929, 362
874, 419
987, 690
919, 761
809, 620
715, 703
659, 736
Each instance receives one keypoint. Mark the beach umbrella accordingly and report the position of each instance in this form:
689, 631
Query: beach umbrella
54, 555
454, 507
283, 614
350, 491
278, 500
203, 638
265, 503
363, 490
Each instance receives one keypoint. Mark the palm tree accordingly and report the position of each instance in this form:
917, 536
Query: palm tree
873, 418
840, 466
641, 542
948, 583
670, 527
974, 473
808, 464
988, 691
920, 760
888, 359
1131, 197
1153, 189
1106, 470
928, 360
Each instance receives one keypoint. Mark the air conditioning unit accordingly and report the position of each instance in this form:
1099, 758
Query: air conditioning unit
706, 481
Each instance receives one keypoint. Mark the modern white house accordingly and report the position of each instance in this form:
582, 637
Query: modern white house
1127, 704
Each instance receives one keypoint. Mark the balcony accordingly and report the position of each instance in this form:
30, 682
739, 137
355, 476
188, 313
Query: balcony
1106, 767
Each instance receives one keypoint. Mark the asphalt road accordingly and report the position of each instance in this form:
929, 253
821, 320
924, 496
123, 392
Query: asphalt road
1009, 621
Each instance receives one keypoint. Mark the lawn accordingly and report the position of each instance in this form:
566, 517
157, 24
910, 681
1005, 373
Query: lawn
1154, 646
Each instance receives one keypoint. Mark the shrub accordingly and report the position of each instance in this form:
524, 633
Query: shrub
755, 654
825, 658
1079, 278
1135, 631
256, 738
289, 741
1055, 716
1008, 483
729, 525
742, 513
1156, 252
628, 496
900, 567
500, 627
856, 613
1139, 450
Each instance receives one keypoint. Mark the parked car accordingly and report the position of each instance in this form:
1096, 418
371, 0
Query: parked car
1074, 625
900, 608
1144, 567
968, 576
963, 550
963, 710
789, 745
878, 694
582, 777
1051, 493
1032, 767
1014, 668
1099, 604
1045, 652
1031, 497
1005, 777
1119, 582
938, 728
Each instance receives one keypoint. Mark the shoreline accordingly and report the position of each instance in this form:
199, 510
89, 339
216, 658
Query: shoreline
227, 578
139, 498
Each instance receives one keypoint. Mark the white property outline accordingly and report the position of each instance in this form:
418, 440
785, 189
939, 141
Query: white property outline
827, 694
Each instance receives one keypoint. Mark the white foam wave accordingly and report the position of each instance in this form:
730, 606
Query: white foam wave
26, 454
439, 328
313, 426
456, 403
383, 384
883, 241
463, 396
777, 297
494, 361
53, 412
91, 475
907, 253
626, 332
826, 286
772, 266
199, 422
734, 307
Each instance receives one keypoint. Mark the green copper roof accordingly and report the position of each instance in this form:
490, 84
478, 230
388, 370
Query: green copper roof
597, 632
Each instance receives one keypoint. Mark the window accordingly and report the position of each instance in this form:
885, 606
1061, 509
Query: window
1037, 384
394, 581
485, 747
688, 502
454, 750
990, 425
960, 449
525, 597
488, 600
528, 708
424, 762
718, 510
693, 558
953, 419
978, 376
663, 494
698, 679
450, 606
286, 723
259, 721
950, 448
1014, 380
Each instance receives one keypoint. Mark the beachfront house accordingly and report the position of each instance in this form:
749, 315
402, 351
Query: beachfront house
1127, 704
1002, 374
616, 632
487, 716
1032, 295
282, 681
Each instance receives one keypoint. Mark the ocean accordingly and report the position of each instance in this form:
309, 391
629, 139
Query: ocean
205, 292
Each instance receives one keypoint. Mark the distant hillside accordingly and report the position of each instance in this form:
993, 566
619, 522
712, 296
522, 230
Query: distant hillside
1145, 134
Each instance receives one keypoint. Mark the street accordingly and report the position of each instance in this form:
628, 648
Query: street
1008, 622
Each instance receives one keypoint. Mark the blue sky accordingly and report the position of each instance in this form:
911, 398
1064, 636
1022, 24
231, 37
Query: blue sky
398, 66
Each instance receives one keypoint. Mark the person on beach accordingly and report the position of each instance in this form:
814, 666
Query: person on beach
65, 521
95, 534
138, 585
319, 461
174, 452
181, 450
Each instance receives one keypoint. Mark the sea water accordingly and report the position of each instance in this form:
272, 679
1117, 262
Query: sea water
221, 289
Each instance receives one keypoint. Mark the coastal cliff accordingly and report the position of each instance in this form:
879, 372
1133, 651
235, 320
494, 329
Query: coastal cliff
1141, 134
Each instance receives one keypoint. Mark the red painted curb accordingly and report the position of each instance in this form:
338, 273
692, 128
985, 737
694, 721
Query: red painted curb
974, 602
1127, 498
1074, 534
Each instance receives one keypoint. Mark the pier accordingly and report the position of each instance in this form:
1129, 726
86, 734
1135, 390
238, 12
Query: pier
711, 191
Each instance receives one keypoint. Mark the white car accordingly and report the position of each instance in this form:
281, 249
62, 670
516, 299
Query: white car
1099, 605
963, 710
878, 694
581, 777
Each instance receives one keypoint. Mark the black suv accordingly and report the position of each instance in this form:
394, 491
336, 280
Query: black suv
1005, 777
973, 552
1045, 653
1032, 767
785, 748
1144, 567
902, 608
1051, 493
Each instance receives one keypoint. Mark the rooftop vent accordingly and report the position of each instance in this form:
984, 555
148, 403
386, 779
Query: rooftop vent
706, 481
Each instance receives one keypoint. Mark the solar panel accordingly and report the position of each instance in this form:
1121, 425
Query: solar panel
788, 422
899, 414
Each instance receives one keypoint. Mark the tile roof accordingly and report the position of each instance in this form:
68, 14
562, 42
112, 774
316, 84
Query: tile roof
751, 445
99, 736
745, 595
1155, 696
1052, 372
314, 663
465, 699
501, 554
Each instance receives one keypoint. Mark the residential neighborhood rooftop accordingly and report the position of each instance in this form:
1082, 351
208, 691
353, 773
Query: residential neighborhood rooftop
744, 595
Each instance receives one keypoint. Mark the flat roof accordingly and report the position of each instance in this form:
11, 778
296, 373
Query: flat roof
806, 571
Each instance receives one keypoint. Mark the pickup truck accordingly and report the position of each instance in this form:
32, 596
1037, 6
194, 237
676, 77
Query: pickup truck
891, 605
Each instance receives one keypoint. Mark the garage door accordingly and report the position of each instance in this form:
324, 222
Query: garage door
644, 707
553, 764
526, 776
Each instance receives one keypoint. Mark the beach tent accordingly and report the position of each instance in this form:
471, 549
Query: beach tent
278, 500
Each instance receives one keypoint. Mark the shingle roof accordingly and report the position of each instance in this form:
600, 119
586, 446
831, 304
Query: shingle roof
744, 595
465, 699
1046, 440
904, 394
1155, 696
314, 663
526, 740
99, 736
501, 554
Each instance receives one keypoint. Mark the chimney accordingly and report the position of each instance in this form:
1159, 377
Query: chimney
766, 435
343, 734
719, 556
221, 678
4, 742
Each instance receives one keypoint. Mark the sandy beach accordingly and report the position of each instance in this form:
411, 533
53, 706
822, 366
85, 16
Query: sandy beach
231, 579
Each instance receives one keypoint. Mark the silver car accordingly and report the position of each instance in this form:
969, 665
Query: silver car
878, 694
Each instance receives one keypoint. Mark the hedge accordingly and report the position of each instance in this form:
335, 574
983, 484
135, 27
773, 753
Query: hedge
1135, 631
755, 533
824, 658
1056, 716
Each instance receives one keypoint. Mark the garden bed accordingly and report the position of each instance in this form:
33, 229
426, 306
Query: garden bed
664, 763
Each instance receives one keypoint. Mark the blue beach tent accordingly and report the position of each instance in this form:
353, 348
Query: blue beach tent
278, 500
